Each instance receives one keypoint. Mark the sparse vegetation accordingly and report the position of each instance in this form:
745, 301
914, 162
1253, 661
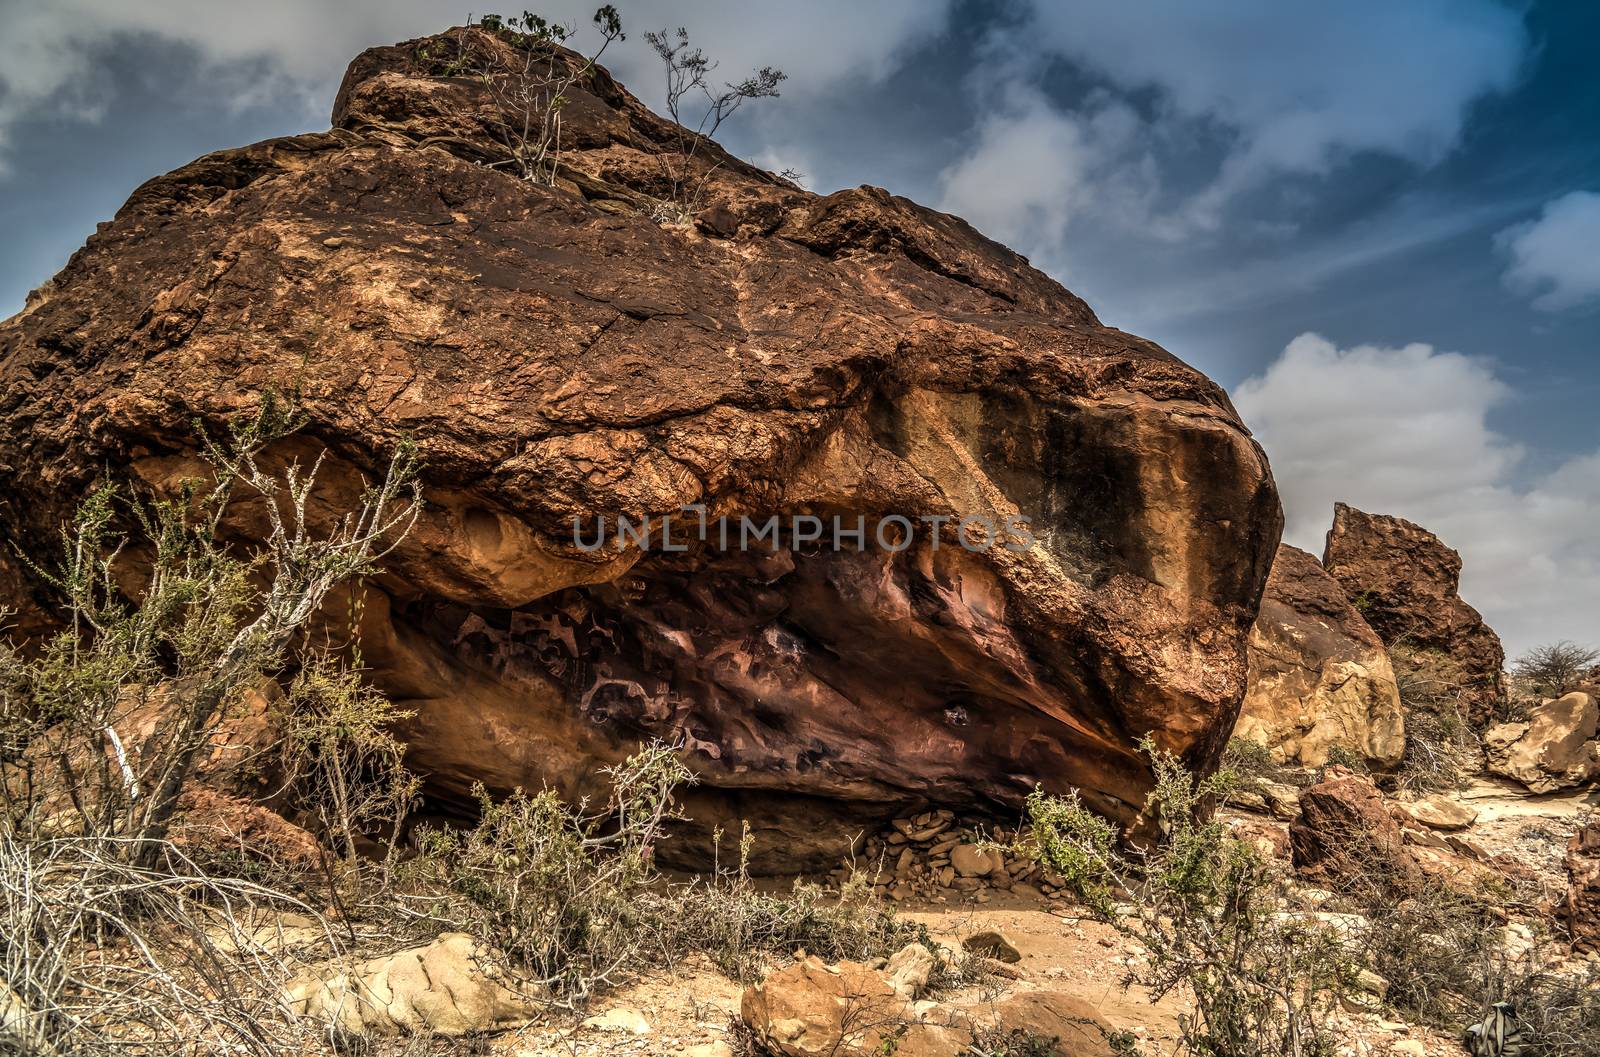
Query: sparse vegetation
1342, 755
1448, 962
528, 79
688, 71
116, 937
1442, 751
573, 897
1555, 668
1250, 762
1208, 912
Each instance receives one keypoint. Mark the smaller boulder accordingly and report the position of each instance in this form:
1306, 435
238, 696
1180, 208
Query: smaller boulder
992, 944
812, 1009
1582, 909
1346, 835
218, 823
910, 969
1441, 813
969, 860
1556, 749
1073, 1022
452, 986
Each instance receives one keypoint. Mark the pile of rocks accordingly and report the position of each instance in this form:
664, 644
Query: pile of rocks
937, 856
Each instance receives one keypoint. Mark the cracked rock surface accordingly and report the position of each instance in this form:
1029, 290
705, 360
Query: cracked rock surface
558, 353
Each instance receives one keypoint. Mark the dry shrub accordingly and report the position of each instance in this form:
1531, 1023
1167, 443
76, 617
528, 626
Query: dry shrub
1447, 961
116, 938
1208, 911
1442, 750
102, 957
571, 894
725, 917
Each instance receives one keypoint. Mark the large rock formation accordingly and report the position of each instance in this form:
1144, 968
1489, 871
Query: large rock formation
578, 351
1319, 676
1404, 581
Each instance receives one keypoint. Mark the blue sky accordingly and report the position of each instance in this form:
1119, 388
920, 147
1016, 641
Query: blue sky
1376, 221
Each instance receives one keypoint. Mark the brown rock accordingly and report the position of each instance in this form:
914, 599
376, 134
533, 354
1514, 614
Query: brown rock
1582, 910
214, 822
1441, 813
1346, 836
1555, 749
559, 355
811, 1009
1319, 675
1404, 581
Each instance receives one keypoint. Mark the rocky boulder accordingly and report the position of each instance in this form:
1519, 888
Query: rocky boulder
1405, 581
1582, 908
573, 354
1319, 675
452, 986
1346, 837
1555, 749
814, 1009
1440, 812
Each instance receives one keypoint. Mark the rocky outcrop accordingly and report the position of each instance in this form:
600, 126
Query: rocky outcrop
1405, 581
558, 353
1555, 749
1582, 908
1319, 675
1346, 837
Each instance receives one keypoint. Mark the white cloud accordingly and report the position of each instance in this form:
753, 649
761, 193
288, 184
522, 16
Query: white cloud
297, 49
1032, 168
1301, 85
1281, 89
1405, 431
1554, 259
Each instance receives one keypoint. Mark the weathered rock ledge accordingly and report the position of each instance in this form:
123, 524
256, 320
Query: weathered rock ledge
558, 353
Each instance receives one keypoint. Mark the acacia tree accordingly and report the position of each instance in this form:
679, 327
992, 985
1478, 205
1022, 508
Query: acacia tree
1556, 667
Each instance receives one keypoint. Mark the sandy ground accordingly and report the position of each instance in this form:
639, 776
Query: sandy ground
686, 1011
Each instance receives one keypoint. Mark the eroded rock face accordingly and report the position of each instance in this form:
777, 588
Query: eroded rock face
1346, 837
558, 354
1555, 749
1319, 675
1582, 909
1404, 581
